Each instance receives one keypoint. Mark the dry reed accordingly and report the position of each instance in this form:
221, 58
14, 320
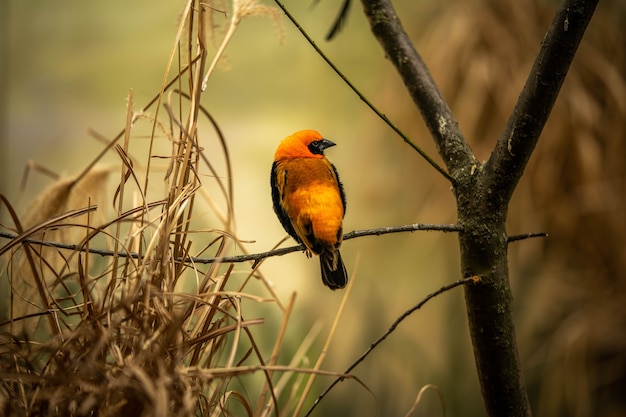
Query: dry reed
152, 334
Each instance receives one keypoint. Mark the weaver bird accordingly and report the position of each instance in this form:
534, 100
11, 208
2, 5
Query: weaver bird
310, 202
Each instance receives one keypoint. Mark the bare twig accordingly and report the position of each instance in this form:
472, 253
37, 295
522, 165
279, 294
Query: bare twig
256, 257
388, 332
364, 99
516, 238
441, 123
406, 228
55, 221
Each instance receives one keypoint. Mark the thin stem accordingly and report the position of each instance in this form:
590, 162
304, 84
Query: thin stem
361, 96
257, 257
441, 123
388, 332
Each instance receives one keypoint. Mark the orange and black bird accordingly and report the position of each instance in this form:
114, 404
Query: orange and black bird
310, 202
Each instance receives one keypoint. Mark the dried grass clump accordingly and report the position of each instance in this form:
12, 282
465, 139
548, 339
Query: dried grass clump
135, 327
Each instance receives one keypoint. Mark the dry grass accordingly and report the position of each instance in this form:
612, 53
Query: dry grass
149, 334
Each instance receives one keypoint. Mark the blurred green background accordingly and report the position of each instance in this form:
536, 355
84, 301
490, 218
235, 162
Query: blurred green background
68, 66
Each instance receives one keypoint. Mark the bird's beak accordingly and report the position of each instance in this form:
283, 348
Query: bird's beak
325, 143
317, 147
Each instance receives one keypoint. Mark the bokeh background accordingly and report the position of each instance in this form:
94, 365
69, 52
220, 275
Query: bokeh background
68, 66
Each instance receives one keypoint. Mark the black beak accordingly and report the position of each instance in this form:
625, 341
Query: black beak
318, 146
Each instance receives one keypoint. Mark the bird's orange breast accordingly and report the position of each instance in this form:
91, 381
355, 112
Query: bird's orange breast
311, 198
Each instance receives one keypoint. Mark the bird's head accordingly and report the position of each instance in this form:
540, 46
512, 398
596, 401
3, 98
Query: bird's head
302, 144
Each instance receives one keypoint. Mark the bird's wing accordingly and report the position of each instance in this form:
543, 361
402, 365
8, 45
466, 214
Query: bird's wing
278, 179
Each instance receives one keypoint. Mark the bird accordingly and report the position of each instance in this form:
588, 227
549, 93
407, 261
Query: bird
310, 202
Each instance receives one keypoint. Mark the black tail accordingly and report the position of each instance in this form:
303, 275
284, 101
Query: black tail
334, 272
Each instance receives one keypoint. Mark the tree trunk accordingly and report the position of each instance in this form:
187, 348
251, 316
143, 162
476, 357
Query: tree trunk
483, 191
483, 245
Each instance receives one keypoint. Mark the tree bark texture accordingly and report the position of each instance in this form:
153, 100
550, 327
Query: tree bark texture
483, 191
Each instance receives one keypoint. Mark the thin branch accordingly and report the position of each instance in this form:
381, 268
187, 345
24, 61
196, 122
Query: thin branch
256, 257
399, 49
361, 96
516, 238
406, 228
54, 221
388, 332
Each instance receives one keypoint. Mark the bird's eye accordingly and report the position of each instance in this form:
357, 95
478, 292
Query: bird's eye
316, 147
